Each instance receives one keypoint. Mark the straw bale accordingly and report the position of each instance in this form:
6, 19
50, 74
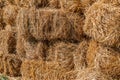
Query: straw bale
91, 53
80, 55
62, 54
108, 61
102, 23
37, 70
92, 74
10, 14
12, 65
7, 42
50, 24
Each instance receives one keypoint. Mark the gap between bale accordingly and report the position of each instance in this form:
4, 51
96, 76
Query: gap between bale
12, 65
7, 42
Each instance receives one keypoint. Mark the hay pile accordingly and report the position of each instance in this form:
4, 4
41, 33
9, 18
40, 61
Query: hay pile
60, 39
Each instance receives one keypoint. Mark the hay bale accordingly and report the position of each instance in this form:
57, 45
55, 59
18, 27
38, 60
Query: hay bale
108, 61
10, 14
62, 54
7, 42
80, 55
92, 74
12, 65
40, 70
37, 70
47, 24
91, 53
102, 23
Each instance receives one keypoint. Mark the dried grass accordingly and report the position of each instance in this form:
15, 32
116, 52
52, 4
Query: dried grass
12, 65
102, 23
62, 54
49, 24
80, 55
7, 42
108, 61
92, 74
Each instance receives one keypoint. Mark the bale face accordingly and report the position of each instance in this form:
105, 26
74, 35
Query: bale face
7, 42
50, 24
92, 74
80, 55
37, 70
102, 23
62, 53
12, 65
107, 61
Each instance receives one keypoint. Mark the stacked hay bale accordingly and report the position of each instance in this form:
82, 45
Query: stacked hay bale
60, 39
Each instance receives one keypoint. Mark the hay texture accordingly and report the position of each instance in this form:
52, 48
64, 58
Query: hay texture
92, 74
40, 70
62, 54
80, 55
12, 65
102, 23
7, 42
33, 3
37, 70
112, 2
91, 53
108, 61
9, 14
49, 24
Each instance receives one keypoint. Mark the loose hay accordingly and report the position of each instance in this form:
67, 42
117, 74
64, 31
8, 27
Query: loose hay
102, 23
7, 42
108, 61
1, 19
80, 55
92, 74
47, 24
62, 54
12, 65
